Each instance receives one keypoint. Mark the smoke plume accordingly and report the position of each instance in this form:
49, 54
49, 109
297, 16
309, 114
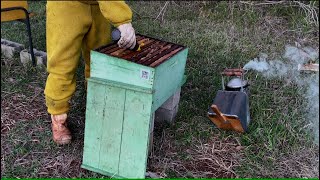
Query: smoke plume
309, 83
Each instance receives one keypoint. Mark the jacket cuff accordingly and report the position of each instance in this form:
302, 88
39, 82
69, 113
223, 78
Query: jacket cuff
118, 24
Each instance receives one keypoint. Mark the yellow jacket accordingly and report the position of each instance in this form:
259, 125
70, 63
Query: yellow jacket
116, 12
74, 26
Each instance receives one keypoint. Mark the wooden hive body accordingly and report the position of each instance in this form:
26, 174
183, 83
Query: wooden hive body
121, 98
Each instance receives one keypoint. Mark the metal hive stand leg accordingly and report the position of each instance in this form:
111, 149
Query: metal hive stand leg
27, 22
30, 38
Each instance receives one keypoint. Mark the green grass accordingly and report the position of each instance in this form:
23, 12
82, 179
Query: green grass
277, 144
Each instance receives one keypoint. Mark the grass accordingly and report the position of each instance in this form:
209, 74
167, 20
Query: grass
219, 35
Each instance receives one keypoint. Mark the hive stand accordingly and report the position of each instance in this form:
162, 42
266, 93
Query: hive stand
169, 109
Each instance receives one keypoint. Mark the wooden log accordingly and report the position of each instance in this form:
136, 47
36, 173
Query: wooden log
308, 67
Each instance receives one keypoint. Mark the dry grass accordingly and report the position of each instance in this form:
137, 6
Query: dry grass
291, 164
215, 158
310, 8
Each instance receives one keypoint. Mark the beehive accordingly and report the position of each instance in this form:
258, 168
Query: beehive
124, 89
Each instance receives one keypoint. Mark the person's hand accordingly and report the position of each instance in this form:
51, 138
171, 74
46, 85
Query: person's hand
128, 36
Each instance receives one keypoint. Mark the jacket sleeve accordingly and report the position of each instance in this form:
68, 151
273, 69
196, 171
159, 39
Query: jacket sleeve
117, 12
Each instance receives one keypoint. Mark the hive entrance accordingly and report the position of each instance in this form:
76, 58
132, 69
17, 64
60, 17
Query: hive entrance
153, 52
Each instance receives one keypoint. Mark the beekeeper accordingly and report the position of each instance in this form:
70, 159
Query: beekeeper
72, 28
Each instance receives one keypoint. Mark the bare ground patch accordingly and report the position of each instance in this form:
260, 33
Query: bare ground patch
213, 157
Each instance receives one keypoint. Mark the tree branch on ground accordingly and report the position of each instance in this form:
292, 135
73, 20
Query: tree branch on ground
162, 11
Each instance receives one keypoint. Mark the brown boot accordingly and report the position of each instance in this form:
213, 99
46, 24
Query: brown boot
60, 131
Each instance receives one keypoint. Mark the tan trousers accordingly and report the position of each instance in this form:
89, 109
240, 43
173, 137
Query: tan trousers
72, 27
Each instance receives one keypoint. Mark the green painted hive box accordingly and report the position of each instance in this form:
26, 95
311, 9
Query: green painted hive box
124, 89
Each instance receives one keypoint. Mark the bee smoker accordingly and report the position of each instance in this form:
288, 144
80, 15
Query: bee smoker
230, 108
